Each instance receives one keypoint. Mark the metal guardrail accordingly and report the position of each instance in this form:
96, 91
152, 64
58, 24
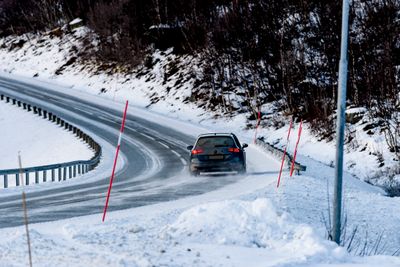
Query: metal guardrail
64, 170
279, 153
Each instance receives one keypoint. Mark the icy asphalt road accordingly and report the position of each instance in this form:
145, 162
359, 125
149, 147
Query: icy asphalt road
155, 168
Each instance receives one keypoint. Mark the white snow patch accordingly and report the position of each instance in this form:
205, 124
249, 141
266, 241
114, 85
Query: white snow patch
247, 223
39, 141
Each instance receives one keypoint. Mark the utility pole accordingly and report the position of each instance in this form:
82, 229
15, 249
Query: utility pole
341, 108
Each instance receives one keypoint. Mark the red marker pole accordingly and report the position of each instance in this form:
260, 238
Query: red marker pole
295, 150
258, 124
284, 153
115, 160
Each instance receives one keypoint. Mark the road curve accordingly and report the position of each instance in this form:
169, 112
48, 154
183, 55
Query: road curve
155, 169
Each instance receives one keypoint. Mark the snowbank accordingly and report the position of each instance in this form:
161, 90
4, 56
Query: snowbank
226, 233
39, 141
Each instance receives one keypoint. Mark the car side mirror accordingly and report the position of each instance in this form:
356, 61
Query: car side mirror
189, 147
245, 145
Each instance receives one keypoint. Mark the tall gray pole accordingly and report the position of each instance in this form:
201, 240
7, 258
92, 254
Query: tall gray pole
341, 107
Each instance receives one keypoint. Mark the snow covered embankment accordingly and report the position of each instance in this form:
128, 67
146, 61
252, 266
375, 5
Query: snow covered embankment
243, 224
168, 82
39, 141
161, 234
227, 233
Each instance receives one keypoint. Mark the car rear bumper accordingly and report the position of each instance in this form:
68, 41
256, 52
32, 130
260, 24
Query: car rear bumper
212, 167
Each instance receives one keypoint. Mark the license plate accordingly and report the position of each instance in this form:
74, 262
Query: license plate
216, 157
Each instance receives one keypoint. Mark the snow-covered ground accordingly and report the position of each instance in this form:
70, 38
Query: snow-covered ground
249, 223
38, 141
163, 89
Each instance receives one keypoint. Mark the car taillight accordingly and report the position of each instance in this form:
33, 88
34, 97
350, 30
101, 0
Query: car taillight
234, 149
197, 151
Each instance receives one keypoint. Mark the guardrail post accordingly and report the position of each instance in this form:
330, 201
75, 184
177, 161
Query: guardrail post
44, 114
74, 175
17, 179
66, 126
2, 97
14, 101
19, 103
35, 110
24, 105
62, 123
70, 172
5, 181
29, 107
36, 177
7, 99
80, 169
58, 120
44, 175
40, 111
27, 178
59, 174
53, 175
65, 173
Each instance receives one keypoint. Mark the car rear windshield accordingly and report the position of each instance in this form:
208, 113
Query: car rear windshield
215, 141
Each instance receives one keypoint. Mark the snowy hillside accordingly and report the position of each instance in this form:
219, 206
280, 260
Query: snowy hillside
249, 223
167, 80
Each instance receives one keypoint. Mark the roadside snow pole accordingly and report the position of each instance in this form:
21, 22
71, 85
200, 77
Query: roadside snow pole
258, 124
28, 239
341, 107
115, 159
295, 150
284, 153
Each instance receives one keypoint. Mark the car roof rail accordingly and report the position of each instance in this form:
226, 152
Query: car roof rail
215, 134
